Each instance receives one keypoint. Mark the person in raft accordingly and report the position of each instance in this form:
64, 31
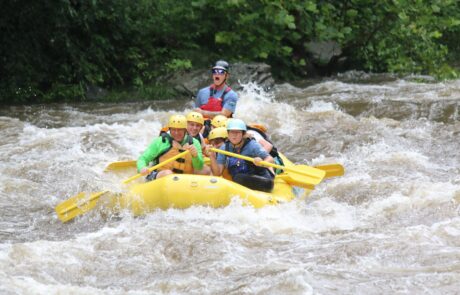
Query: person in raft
168, 145
195, 122
219, 121
243, 172
219, 98
217, 137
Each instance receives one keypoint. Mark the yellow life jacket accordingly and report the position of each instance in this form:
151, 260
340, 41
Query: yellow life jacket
181, 165
226, 174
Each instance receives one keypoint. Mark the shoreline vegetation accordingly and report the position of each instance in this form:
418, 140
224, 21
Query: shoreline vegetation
118, 50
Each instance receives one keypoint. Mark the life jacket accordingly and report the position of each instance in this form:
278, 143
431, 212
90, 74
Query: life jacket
238, 166
203, 141
226, 174
214, 104
199, 137
181, 165
261, 129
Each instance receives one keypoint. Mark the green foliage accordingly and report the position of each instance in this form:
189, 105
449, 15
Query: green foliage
51, 51
178, 65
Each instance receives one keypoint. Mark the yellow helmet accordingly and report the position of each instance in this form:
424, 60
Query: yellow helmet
195, 117
219, 121
218, 132
177, 121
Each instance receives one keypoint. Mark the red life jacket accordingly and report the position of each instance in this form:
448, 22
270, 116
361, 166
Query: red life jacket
215, 103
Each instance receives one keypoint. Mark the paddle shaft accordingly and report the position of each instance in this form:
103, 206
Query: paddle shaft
265, 163
332, 170
157, 166
80, 204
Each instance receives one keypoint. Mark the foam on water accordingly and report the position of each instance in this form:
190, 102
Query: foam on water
390, 224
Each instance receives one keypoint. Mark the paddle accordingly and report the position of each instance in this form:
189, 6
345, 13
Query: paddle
120, 165
332, 170
301, 174
77, 205
80, 204
157, 166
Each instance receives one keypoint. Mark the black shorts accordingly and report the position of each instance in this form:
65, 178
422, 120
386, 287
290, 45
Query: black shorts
255, 182
152, 176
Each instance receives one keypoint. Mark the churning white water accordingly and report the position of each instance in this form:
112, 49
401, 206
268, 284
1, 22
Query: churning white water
390, 225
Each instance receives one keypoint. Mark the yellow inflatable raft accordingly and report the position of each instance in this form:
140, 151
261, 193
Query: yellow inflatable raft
183, 191
186, 190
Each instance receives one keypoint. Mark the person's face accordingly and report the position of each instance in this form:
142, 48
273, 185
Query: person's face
235, 136
193, 128
217, 142
218, 76
177, 133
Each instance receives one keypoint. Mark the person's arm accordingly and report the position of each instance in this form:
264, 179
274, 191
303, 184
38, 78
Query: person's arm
216, 168
197, 160
149, 154
261, 155
229, 104
262, 141
265, 144
199, 96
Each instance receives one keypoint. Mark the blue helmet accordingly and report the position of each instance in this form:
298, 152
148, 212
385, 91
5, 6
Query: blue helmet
236, 124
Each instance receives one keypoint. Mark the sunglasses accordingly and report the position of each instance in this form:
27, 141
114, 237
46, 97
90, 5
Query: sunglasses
218, 71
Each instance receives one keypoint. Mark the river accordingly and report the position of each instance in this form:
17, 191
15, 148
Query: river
390, 225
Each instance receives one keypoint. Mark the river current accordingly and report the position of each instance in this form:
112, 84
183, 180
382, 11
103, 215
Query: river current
390, 225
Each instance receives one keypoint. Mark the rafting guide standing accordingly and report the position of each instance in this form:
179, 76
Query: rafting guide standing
218, 98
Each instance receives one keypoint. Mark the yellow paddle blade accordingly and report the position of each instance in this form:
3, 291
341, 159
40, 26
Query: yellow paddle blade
294, 182
77, 205
300, 175
332, 170
120, 165
304, 174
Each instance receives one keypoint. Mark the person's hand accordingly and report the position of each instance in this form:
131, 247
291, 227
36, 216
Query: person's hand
257, 161
211, 154
192, 149
144, 171
176, 145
